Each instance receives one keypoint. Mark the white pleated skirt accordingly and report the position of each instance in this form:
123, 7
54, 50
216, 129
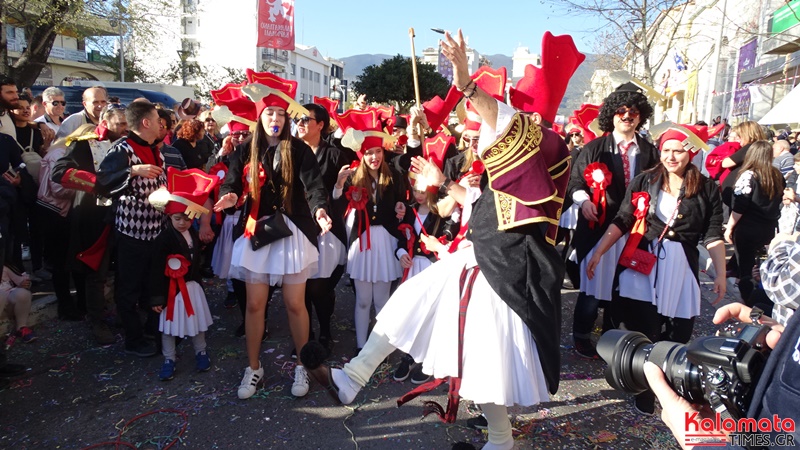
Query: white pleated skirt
181, 324
569, 217
267, 265
418, 264
332, 253
500, 360
378, 263
676, 292
600, 286
223, 249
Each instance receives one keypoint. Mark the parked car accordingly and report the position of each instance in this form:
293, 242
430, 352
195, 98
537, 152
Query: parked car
74, 96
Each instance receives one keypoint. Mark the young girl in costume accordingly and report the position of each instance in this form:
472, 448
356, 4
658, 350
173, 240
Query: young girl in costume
175, 273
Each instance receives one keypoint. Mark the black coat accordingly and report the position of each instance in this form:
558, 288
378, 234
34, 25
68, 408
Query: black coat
308, 190
699, 218
330, 160
603, 149
171, 242
434, 225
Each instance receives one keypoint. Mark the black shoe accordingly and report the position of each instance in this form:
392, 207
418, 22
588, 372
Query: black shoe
12, 370
294, 354
231, 301
478, 423
206, 272
585, 349
239, 331
645, 403
403, 369
326, 342
141, 348
417, 377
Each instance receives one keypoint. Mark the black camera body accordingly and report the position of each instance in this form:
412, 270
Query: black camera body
717, 370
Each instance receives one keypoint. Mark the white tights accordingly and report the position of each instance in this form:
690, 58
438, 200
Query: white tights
366, 294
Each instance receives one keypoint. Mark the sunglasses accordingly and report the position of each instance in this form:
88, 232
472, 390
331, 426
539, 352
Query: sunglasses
240, 134
115, 106
58, 103
470, 140
304, 120
621, 111
572, 135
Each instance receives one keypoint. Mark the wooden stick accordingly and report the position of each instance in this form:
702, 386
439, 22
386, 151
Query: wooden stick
416, 78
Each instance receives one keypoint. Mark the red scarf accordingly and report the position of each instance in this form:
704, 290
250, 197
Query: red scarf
250, 225
361, 208
146, 153
641, 201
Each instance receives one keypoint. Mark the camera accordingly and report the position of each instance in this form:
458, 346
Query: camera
717, 370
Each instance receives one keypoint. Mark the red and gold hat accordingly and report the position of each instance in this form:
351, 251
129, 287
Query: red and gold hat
693, 137
332, 106
437, 110
434, 149
363, 130
185, 193
267, 89
586, 118
385, 115
233, 107
542, 89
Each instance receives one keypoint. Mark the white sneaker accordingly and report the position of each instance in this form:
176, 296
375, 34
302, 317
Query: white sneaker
348, 389
300, 386
250, 382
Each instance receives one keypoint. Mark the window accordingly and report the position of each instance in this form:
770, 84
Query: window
302, 98
294, 69
316, 77
325, 80
303, 73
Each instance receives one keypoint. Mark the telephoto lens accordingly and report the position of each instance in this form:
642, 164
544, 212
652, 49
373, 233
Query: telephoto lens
625, 352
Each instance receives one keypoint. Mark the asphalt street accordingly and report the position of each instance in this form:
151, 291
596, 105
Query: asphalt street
78, 395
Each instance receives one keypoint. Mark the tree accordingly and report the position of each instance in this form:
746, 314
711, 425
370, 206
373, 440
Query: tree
393, 82
43, 20
631, 31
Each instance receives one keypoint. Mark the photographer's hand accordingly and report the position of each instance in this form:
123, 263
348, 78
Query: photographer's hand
741, 313
673, 407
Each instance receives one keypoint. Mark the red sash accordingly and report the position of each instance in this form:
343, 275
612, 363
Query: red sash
361, 208
641, 201
177, 267
250, 225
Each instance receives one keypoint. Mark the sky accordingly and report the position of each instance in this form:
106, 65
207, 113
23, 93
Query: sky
351, 27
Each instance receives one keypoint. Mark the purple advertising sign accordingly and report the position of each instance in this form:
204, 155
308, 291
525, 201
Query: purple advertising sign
747, 60
445, 67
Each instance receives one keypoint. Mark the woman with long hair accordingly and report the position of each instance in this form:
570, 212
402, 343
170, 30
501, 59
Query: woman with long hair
755, 209
373, 196
679, 208
281, 180
745, 134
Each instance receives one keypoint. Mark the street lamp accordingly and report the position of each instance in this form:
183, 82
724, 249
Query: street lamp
183, 55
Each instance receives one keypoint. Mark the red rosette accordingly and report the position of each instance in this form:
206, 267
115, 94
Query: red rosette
177, 267
360, 206
250, 225
598, 177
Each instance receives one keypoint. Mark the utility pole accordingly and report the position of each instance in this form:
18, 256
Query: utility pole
715, 64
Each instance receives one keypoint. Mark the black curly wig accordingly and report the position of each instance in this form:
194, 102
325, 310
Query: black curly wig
623, 98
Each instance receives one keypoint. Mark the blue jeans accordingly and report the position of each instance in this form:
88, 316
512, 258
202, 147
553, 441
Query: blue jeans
586, 314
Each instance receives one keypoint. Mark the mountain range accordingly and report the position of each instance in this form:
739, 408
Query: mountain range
573, 97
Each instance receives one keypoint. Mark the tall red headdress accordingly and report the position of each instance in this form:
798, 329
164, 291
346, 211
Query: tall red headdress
185, 193
585, 118
233, 107
437, 110
362, 130
542, 89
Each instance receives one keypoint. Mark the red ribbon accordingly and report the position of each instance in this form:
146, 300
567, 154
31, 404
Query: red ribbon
598, 177
361, 207
641, 203
177, 282
250, 225
215, 170
411, 236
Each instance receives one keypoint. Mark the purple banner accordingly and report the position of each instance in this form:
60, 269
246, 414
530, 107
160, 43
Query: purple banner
444, 67
741, 102
747, 55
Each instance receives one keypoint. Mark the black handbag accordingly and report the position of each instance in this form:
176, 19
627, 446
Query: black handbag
268, 230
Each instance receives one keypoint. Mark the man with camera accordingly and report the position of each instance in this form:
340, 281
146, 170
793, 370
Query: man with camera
776, 395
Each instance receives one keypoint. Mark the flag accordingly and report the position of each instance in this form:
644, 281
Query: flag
276, 24
679, 63
444, 67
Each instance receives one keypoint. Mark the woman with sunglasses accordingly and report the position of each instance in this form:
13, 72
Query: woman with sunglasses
618, 157
321, 286
680, 208
281, 180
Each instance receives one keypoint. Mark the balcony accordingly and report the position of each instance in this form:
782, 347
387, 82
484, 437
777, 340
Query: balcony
281, 56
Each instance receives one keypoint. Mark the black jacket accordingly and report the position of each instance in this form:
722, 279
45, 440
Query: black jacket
434, 225
699, 218
603, 149
308, 191
330, 160
170, 242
